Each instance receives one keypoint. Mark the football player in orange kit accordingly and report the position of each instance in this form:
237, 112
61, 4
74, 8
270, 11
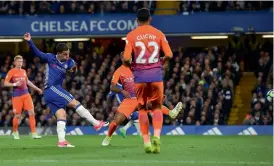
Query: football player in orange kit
146, 41
21, 99
126, 96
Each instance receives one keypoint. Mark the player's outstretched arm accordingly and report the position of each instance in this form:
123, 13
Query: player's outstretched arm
30, 84
35, 50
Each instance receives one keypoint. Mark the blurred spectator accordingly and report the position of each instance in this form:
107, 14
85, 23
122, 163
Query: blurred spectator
72, 7
261, 107
192, 80
189, 7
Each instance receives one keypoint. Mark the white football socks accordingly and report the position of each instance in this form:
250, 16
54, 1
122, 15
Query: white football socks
128, 125
84, 113
137, 125
61, 127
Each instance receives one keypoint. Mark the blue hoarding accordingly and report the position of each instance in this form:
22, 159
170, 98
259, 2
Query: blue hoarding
167, 130
185, 130
92, 25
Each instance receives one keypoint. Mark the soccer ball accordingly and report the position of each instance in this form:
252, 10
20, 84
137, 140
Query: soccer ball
270, 95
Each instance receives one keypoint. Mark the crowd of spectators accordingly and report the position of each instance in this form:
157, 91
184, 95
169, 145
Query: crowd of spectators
72, 7
203, 79
106, 7
261, 112
189, 7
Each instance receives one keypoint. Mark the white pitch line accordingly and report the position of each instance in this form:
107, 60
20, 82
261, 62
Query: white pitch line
177, 162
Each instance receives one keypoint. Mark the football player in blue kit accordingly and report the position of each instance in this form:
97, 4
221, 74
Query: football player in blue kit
55, 96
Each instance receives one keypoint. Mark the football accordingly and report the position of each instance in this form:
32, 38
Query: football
270, 95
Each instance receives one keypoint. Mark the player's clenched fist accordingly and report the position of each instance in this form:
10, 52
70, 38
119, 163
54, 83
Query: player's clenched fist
18, 83
27, 36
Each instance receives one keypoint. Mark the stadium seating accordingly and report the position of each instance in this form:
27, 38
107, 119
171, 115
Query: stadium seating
160, 7
261, 112
204, 80
201, 79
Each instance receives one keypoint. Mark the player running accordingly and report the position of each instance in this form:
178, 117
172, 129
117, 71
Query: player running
57, 98
146, 41
123, 75
133, 119
116, 88
21, 99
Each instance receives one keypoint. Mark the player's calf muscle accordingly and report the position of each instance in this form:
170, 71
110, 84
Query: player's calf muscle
119, 118
73, 103
17, 115
31, 113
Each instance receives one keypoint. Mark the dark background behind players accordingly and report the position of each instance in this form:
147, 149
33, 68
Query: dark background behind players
204, 82
203, 78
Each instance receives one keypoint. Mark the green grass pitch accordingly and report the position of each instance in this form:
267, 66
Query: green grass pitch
175, 150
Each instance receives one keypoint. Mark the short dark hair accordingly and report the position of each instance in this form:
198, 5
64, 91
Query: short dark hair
143, 14
62, 47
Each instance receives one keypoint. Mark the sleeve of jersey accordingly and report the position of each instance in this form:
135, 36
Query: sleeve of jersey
9, 76
115, 77
165, 46
71, 63
110, 94
128, 49
44, 56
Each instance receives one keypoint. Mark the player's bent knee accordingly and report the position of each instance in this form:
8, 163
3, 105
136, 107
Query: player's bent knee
142, 107
31, 113
73, 103
61, 114
156, 105
17, 116
119, 118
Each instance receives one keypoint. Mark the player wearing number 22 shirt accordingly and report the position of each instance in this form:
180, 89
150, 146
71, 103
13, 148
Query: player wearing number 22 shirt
145, 42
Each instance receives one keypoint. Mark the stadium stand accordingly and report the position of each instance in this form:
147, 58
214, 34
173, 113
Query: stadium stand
204, 79
88, 7
261, 112
71, 7
188, 7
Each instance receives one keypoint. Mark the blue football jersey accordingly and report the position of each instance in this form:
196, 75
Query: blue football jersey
120, 97
55, 70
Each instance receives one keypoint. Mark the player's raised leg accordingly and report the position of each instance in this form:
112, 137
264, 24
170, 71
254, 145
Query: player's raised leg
171, 113
61, 129
84, 113
174, 112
